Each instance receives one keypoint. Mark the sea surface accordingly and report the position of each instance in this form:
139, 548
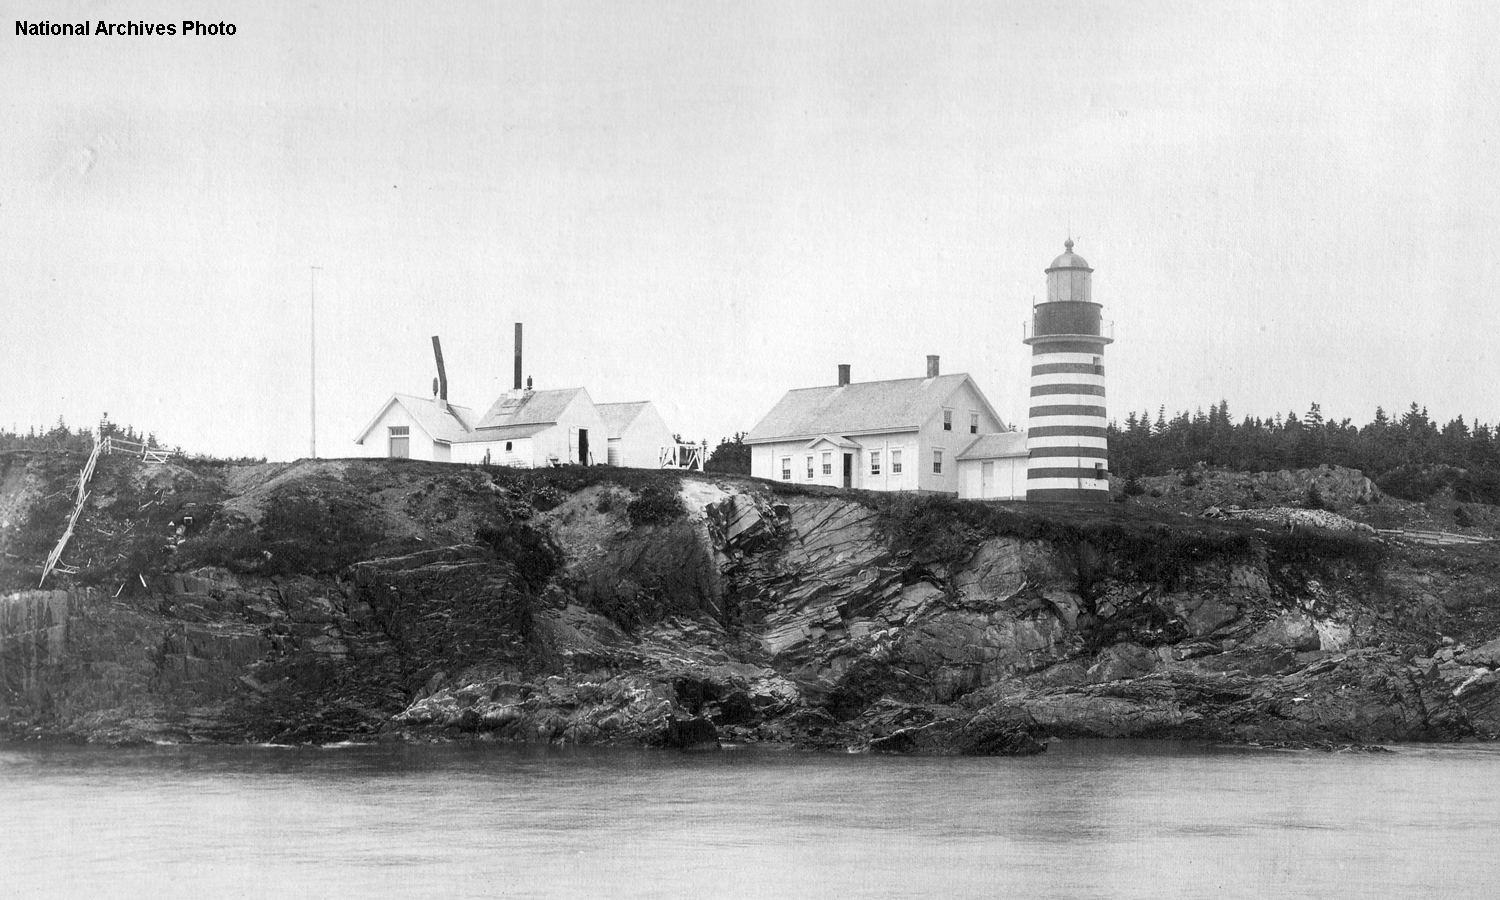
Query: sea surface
1086, 819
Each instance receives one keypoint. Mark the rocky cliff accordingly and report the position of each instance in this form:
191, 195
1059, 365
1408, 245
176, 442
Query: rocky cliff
387, 599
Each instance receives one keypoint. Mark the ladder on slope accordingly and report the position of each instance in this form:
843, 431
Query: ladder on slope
83, 483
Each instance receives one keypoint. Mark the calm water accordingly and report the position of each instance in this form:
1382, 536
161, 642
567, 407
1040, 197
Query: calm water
1107, 819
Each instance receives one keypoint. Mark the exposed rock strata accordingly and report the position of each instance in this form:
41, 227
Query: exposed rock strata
497, 605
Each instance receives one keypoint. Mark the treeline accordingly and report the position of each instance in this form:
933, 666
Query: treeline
731, 457
61, 437
1411, 457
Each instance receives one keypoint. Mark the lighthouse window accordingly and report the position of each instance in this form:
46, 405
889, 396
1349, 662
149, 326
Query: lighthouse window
973, 423
1098, 471
1098, 366
947, 420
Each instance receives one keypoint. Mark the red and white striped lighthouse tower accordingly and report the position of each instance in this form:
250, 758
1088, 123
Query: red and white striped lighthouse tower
1065, 433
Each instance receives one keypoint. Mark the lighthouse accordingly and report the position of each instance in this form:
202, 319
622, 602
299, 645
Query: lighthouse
1067, 452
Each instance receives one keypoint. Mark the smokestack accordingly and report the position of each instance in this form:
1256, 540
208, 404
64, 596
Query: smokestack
932, 366
518, 356
843, 374
442, 379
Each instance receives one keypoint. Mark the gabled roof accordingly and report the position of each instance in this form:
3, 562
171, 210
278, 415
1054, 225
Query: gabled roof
865, 407
618, 416
528, 408
840, 442
994, 446
450, 425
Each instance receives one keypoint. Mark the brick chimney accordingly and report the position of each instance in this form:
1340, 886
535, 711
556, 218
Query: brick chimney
518, 356
932, 366
843, 374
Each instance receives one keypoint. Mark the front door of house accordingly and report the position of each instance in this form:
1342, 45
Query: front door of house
848, 470
583, 446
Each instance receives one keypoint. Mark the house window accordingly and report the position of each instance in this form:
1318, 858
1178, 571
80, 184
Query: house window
827, 462
786, 468
400, 436
507, 446
947, 420
809, 467
937, 462
895, 462
874, 462
973, 423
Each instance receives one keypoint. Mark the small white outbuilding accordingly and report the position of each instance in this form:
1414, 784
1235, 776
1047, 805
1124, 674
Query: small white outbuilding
993, 467
522, 428
637, 434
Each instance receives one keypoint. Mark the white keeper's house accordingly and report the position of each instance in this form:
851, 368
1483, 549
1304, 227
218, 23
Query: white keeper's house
940, 434
936, 434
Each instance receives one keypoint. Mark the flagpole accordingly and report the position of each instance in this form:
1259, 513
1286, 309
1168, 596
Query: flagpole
312, 343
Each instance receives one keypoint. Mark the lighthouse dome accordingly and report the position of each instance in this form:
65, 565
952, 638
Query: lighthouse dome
1069, 259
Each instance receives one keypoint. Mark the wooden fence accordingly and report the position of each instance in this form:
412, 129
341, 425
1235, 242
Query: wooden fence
107, 445
1435, 538
83, 494
135, 448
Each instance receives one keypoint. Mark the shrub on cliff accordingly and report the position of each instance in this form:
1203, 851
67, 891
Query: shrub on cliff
1101, 541
533, 552
933, 529
311, 533
656, 505
1306, 552
647, 575
314, 527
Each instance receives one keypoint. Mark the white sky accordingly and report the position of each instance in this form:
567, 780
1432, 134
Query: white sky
706, 204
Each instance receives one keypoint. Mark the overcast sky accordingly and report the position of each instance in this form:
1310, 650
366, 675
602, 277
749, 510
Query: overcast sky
708, 204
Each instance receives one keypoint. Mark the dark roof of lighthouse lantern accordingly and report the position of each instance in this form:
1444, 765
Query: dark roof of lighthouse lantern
1069, 259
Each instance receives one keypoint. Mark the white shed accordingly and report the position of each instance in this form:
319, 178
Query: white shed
637, 432
993, 467
415, 427
523, 428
